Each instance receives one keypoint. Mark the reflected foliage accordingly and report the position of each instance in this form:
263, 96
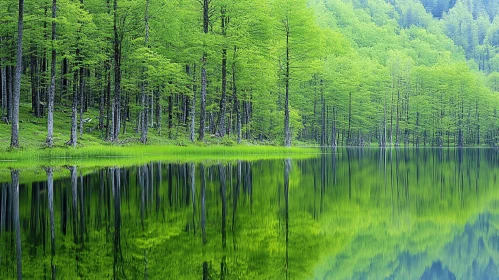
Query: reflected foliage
347, 214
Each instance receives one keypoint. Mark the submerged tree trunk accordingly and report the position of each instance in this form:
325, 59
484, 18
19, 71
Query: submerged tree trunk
14, 140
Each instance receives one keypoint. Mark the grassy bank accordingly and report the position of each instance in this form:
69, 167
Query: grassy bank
31, 162
93, 151
166, 152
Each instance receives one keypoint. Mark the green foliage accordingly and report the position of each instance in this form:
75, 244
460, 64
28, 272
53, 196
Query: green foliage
372, 71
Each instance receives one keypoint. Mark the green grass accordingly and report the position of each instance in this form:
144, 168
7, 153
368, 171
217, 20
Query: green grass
93, 151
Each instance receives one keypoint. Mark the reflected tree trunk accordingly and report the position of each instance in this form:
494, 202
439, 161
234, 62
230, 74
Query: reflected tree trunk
235, 194
142, 186
82, 228
3, 209
203, 217
193, 194
74, 197
160, 177
203, 203
74, 208
287, 168
118, 272
15, 199
170, 184
223, 196
50, 187
349, 173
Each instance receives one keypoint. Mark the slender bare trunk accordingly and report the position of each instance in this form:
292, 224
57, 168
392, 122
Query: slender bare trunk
287, 131
50, 111
73, 137
202, 117
4, 82
14, 140
116, 111
193, 106
204, 81
143, 114
235, 99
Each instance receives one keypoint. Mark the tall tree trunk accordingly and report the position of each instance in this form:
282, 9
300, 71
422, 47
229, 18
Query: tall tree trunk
82, 97
109, 102
157, 106
14, 140
34, 79
204, 81
287, 131
73, 137
193, 106
349, 137
323, 116
10, 89
4, 85
223, 102
397, 119
50, 112
334, 142
143, 120
3, 81
235, 99
202, 117
170, 114
116, 110
102, 101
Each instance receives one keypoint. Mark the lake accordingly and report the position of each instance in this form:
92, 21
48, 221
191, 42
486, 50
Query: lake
350, 213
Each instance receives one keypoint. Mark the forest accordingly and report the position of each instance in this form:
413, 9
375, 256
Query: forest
327, 72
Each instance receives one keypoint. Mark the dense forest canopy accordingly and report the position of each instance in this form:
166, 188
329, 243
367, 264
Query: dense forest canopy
332, 72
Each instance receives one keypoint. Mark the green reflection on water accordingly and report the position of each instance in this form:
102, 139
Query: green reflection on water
350, 214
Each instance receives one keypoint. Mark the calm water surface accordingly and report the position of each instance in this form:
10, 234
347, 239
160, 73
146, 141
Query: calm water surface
350, 214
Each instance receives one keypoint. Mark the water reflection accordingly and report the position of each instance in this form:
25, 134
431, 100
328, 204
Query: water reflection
348, 214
